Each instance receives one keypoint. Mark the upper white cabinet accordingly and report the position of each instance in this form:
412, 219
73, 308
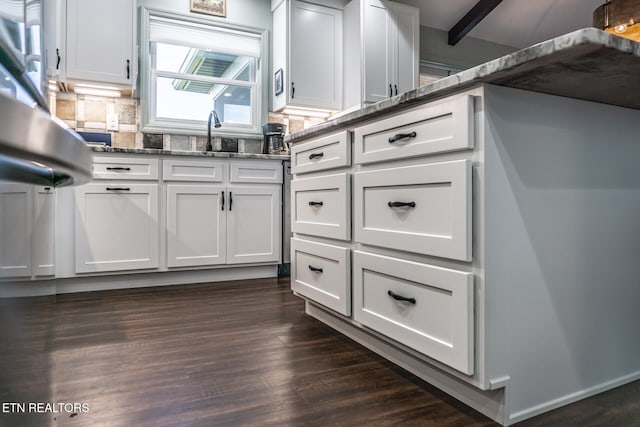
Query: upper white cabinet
307, 48
91, 41
54, 37
26, 230
382, 49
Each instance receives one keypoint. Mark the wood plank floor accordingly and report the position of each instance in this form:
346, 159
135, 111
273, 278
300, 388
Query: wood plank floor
227, 354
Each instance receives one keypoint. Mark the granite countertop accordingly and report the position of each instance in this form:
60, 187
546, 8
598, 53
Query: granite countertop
218, 154
587, 64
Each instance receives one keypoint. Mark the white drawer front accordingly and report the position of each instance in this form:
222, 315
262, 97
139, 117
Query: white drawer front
321, 273
427, 308
432, 129
327, 152
193, 170
320, 206
436, 216
107, 167
256, 172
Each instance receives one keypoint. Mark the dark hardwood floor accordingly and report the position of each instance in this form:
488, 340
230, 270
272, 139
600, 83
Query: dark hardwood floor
226, 354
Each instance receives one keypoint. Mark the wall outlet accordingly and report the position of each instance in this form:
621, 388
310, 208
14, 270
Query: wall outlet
112, 121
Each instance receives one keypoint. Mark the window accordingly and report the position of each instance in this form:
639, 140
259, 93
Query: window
431, 71
194, 66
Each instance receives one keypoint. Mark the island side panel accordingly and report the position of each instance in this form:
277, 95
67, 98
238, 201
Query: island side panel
562, 247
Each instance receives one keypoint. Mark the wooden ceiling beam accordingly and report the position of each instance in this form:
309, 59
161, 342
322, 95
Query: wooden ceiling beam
471, 19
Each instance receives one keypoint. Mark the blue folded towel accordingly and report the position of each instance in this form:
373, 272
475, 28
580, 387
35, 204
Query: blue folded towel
99, 137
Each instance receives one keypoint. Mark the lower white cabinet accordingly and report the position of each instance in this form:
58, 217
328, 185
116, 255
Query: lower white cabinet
196, 225
253, 224
116, 226
426, 308
424, 209
320, 272
26, 230
213, 224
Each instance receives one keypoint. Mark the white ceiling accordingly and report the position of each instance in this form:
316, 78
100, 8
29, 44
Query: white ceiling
517, 23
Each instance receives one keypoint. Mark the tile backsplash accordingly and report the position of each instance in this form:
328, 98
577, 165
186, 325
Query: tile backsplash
89, 113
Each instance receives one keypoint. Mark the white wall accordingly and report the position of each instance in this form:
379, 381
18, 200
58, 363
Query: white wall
255, 13
468, 53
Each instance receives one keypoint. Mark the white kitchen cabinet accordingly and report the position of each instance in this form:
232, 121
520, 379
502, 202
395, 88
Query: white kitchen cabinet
321, 273
116, 226
100, 43
426, 308
43, 250
391, 33
253, 224
220, 219
54, 19
16, 204
382, 49
307, 47
424, 209
196, 225
26, 230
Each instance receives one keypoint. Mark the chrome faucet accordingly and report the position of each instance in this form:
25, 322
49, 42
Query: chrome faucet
217, 124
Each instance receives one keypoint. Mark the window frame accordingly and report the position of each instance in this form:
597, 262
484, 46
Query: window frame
148, 78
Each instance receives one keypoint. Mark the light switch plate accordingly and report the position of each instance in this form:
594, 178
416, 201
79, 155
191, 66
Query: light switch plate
112, 121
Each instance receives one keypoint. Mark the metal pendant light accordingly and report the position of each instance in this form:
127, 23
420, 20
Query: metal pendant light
619, 17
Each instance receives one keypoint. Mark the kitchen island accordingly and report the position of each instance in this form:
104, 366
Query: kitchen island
492, 241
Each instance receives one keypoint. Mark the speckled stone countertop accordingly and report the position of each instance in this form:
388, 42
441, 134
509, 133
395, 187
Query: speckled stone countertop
218, 154
587, 64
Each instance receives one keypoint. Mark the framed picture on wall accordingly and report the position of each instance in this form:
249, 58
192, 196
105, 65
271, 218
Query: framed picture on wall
210, 7
277, 83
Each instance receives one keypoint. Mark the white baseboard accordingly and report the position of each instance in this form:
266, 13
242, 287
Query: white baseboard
571, 398
140, 280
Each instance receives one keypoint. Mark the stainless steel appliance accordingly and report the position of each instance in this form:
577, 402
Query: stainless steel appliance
34, 146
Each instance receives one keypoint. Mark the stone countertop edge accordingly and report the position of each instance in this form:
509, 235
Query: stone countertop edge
563, 48
217, 154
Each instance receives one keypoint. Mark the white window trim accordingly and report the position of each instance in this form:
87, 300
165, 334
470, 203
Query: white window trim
197, 127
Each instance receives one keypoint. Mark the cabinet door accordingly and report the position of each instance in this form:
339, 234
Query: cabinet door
315, 56
406, 58
378, 51
254, 224
43, 231
196, 225
16, 202
116, 226
54, 49
100, 41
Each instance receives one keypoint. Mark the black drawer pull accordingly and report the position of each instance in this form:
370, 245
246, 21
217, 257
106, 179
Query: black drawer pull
396, 86
128, 71
118, 189
390, 90
315, 269
222, 208
315, 156
402, 204
118, 168
230, 200
401, 298
315, 203
399, 136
